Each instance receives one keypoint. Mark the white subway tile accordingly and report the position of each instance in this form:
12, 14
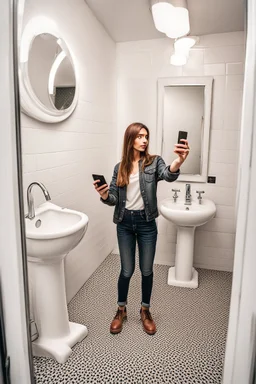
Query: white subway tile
195, 63
224, 139
28, 163
56, 159
165, 247
225, 54
203, 253
214, 69
167, 70
171, 229
135, 64
233, 110
222, 180
220, 195
223, 156
219, 225
226, 174
225, 212
26, 121
222, 168
234, 82
162, 225
83, 111
214, 239
218, 99
235, 68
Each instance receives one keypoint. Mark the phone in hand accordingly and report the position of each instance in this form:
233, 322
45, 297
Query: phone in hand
182, 135
101, 178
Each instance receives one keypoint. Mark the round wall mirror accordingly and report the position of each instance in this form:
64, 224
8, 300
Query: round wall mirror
48, 80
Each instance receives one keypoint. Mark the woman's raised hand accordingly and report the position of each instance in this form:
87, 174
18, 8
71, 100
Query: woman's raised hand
182, 150
103, 190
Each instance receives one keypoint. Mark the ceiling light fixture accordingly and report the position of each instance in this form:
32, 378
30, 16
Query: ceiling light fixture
185, 43
171, 17
181, 49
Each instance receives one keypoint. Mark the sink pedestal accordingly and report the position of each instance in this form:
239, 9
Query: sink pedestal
56, 334
183, 274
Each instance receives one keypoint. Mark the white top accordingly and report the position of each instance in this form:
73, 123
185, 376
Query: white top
133, 196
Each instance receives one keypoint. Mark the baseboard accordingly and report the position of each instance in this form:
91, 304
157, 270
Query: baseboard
171, 263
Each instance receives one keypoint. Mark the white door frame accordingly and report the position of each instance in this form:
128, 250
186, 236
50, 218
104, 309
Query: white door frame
241, 329
12, 265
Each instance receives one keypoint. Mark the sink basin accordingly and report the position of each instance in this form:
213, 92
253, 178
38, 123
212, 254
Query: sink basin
188, 215
187, 218
54, 231
50, 236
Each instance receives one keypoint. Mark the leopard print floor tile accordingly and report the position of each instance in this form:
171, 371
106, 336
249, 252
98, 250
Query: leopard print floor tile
188, 347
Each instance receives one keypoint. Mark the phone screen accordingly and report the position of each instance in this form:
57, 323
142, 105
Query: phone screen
182, 135
101, 178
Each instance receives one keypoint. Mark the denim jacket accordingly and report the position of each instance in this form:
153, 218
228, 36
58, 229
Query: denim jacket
148, 180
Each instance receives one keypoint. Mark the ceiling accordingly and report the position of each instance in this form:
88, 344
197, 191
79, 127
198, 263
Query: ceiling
129, 20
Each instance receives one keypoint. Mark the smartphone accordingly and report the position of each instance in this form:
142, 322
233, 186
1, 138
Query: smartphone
101, 178
182, 135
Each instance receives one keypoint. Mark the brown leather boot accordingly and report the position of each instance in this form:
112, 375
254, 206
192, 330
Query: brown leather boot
148, 323
117, 323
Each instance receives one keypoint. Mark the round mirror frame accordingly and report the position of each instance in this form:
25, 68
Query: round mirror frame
30, 104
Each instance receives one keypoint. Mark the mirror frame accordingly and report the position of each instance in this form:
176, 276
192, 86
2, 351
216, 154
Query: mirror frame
207, 82
30, 104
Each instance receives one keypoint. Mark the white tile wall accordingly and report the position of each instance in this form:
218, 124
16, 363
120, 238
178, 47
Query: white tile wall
139, 65
63, 156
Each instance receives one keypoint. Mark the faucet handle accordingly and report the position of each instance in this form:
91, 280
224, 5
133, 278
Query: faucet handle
175, 196
199, 194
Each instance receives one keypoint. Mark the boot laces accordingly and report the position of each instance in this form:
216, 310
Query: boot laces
119, 313
147, 315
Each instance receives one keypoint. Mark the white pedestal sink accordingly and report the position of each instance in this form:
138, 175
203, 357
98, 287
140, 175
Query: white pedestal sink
50, 235
187, 218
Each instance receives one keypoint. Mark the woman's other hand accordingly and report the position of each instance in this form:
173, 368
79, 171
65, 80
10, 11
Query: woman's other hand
103, 190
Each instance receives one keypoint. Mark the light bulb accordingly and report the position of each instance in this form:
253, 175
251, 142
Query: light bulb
162, 14
185, 43
179, 25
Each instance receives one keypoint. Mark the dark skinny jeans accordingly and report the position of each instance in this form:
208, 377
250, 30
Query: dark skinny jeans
135, 227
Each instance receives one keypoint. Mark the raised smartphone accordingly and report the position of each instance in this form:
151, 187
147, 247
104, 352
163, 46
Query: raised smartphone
182, 135
101, 178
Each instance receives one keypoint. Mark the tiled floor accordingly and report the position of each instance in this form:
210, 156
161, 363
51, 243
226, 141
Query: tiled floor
188, 347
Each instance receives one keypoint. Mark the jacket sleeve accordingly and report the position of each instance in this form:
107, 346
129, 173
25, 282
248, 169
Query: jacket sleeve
113, 190
163, 171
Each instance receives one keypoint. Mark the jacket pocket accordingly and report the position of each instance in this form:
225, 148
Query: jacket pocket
149, 174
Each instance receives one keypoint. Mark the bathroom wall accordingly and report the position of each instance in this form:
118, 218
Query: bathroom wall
63, 156
139, 65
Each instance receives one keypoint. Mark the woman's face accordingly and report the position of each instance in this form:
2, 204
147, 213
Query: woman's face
141, 141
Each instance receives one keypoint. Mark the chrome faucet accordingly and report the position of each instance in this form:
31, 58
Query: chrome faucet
175, 196
188, 195
200, 196
31, 208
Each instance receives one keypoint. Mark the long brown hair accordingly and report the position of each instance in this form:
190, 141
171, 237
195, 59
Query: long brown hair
125, 167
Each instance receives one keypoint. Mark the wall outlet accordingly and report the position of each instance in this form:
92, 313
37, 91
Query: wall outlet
211, 179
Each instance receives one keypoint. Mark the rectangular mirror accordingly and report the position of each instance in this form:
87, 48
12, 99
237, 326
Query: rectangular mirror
184, 104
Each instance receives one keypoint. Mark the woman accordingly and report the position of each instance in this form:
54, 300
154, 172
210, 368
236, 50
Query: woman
133, 193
